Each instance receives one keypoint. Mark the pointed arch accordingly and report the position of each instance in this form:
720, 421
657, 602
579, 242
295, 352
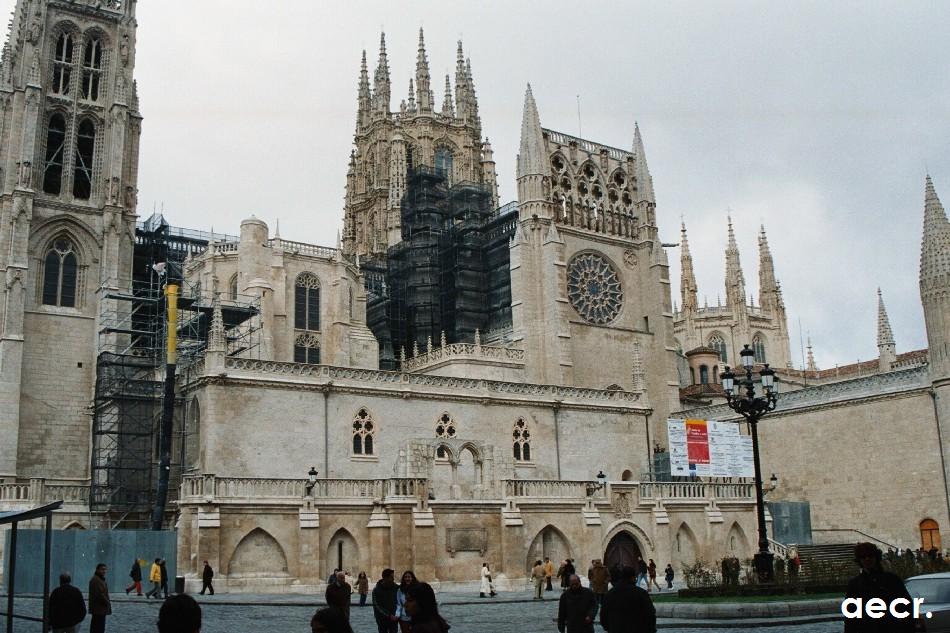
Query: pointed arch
364, 432
445, 428
551, 543
233, 287
343, 552
307, 302
193, 435
74, 525
258, 554
718, 343
685, 545
758, 347
737, 543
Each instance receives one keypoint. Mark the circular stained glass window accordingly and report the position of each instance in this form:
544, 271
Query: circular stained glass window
593, 288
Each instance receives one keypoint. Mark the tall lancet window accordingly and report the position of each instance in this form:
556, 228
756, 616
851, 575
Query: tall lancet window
62, 64
719, 344
60, 273
443, 163
82, 161
55, 144
91, 69
758, 348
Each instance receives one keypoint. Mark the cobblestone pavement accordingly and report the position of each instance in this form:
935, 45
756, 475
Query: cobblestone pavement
514, 617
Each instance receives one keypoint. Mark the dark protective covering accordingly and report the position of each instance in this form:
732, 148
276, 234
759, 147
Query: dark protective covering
450, 273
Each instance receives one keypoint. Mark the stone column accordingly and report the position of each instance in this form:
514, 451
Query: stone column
308, 558
378, 528
209, 540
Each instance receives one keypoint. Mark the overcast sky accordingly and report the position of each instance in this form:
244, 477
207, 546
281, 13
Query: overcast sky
819, 120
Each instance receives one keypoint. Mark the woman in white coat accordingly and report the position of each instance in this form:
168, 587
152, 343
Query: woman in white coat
487, 586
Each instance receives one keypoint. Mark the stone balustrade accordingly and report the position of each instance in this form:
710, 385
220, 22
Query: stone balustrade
38, 492
688, 490
464, 351
551, 489
302, 248
202, 487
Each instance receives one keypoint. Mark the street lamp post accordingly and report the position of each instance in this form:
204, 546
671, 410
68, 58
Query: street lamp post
311, 479
742, 399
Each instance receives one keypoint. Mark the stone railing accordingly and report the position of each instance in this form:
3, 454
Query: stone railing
38, 492
407, 379
302, 248
688, 490
15, 492
201, 487
464, 351
551, 489
225, 247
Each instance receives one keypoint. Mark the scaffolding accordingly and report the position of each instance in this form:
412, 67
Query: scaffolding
130, 368
449, 273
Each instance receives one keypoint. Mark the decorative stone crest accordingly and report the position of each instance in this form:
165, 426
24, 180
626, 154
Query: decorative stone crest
630, 258
621, 505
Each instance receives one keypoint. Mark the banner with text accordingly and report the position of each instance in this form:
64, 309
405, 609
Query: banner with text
708, 448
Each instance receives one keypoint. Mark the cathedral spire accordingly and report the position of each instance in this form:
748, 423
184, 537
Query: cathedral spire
381, 88
811, 366
687, 277
770, 294
935, 282
461, 85
531, 151
641, 169
885, 337
362, 116
411, 106
735, 280
423, 91
472, 99
448, 106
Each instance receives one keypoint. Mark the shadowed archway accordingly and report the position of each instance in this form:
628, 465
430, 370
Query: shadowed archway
623, 550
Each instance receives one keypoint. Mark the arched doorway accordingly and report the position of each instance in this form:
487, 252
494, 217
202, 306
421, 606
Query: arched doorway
622, 551
929, 535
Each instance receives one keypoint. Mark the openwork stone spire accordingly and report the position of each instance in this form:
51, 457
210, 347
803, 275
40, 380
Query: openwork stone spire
364, 100
735, 280
811, 366
641, 169
216, 335
423, 90
885, 337
531, 152
381, 87
638, 384
687, 276
770, 294
935, 282
448, 105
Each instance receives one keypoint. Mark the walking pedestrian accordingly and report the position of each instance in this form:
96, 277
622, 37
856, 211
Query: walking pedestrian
577, 608
424, 610
537, 575
548, 573
338, 595
66, 606
651, 571
384, 603
405, 620
486, 583
99, 604
874, 582
599, 576
179, 614
669, 575
362, 586
207, 574
642, 573
332, 577
155, 577
136, 575
329, 620
627, 608
163, 574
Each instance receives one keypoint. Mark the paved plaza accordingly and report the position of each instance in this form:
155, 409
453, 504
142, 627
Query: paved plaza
222, 615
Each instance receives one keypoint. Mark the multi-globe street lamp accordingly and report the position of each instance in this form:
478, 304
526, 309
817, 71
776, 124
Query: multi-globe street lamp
740, 395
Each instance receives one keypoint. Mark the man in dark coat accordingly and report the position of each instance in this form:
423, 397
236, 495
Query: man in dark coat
206, 575
627, 608
136, 575
338, 595
384, 603
577, 608
66, 606
99, 604
164, 571
874, 582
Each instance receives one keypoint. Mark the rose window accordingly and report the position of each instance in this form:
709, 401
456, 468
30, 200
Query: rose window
593, 288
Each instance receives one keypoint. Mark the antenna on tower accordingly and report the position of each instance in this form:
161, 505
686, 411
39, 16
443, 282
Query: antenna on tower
580, 130
801, 343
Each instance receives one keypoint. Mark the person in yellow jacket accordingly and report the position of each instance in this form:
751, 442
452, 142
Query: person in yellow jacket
548, 573
155, 577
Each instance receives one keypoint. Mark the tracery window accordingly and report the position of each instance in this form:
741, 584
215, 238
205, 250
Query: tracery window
55, 145
82, 160
444, 162
758, 348
307, 302
444, 428
62, 64
717, 343
233, 287
307, 349
521, 441
364, 431
91, 69
60, 274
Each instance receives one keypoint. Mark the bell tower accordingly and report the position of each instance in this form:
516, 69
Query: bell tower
69, 142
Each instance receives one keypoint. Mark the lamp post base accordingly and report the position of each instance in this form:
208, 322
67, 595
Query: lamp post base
763, 567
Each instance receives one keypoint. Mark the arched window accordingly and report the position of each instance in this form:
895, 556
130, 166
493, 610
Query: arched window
364, 430
758, 347
929, 535
233, 288
55, 145
62, 64
307, 302
443, 163
444, 428
521, 441
82, 161
60, 272
91, 69
719, 344
307, 349
703, 375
